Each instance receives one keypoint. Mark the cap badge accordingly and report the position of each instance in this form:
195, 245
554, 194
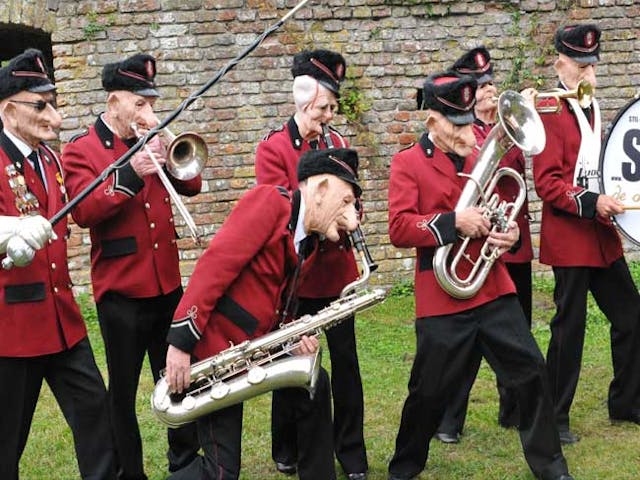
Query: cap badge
480, 60
40, 64
466, 94
148, 65
339, 70
589, 38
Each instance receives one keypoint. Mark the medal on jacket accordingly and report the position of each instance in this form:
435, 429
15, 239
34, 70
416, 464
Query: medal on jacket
61, 186
26, 202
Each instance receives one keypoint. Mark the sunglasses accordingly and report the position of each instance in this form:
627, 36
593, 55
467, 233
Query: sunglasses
40, 105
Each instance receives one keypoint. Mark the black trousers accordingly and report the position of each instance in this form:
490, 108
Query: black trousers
220, 436
78, 388
456, 412
131, 328
445, 347
617, 296
348, 402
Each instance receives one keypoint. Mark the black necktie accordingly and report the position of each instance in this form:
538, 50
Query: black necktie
33, 157
458, 161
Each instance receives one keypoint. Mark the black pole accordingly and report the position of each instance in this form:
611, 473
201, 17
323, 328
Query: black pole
120, 162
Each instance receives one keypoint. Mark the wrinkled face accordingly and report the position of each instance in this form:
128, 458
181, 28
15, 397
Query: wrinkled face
330, 206
32, 116
320, 110
449, 137
125, 108
571, 72
486, 104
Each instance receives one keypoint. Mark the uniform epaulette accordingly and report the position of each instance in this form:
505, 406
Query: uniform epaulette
283, 191
275, 130
407, 147
79, 135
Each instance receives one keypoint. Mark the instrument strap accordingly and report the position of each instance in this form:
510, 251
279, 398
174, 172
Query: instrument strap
586, 174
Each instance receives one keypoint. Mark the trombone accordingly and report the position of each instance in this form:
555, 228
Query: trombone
186, 157
583, 93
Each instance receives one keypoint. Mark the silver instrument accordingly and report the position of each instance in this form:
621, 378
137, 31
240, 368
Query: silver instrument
518, 124
186, 157
263, 364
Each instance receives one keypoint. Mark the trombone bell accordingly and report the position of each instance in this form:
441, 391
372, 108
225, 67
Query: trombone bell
186, 155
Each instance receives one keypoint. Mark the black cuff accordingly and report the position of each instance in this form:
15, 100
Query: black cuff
587, 203
183, 334
516, 246
127, 181
443, 227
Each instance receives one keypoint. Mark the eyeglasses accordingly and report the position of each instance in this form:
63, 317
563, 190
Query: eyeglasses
40, 105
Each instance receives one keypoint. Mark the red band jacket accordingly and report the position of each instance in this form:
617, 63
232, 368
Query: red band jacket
571, 234
236, 289
38, 314
133, 239
514, 158
423, 193
277, 157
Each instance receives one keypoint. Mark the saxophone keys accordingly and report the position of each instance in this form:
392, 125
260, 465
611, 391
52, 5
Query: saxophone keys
219, 391
188, 402
256, 375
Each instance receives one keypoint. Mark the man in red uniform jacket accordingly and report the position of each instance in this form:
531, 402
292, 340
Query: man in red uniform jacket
424, 189
236, 293
134, 256
43, 334
316, 85
580, 242
477, 63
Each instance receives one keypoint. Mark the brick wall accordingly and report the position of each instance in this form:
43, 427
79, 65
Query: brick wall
390, 47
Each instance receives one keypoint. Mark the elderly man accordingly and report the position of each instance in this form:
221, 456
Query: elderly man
258, 255
316, 87
578, 239
424, 188
43, 334
134, 256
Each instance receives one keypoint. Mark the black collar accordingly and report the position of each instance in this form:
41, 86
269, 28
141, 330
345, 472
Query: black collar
104, 134
294, 133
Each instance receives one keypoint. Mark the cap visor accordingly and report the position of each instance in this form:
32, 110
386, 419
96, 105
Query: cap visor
147, 92
462, 119
484, 78
357, 190
47, 87
587, 59
330, 87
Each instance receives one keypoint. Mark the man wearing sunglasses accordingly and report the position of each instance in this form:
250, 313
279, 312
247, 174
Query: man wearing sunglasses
43, 334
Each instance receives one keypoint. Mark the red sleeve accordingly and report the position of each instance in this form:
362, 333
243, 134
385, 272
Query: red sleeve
270, 165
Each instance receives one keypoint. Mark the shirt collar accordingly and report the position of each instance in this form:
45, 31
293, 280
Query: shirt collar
299, 233
25, 149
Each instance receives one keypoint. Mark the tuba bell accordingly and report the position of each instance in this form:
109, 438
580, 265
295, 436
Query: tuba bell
518, 125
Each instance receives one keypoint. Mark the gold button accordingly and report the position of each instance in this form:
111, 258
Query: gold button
146, 205
152, 225
166, 199
155, 246
53, 266
171, 220
55, 289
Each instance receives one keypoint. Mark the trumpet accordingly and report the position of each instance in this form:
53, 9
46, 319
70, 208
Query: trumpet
186, 157
583, 93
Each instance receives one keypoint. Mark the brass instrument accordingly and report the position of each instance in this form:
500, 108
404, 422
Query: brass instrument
583, 93
186, 157
257, 366
518, 124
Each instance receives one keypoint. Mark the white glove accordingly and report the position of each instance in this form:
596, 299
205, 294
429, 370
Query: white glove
35, 230
19, 252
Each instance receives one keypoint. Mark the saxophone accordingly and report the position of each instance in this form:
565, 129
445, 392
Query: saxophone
263, 364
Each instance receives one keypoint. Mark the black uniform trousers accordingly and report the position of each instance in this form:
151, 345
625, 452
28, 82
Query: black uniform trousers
131, 328
445, 347
348, 402
78, 388
456, 412
617, 296
220, 436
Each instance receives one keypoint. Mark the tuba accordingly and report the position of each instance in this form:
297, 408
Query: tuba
257, 366
518, 124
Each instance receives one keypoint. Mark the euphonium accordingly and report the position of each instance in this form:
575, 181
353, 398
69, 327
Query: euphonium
518, 124
263, 364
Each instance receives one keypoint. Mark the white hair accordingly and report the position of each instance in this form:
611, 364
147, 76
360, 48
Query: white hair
305, 91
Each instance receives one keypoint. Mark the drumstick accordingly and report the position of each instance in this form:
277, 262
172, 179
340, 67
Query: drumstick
631, 207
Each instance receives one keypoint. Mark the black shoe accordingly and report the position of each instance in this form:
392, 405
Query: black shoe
286, 468
445, 437
508, 422
357, 476
564, 476
567, 437
394, 477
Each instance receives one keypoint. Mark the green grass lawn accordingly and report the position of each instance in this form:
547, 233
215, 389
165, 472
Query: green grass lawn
386, 345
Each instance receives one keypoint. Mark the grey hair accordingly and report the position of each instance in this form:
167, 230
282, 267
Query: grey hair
305, 91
